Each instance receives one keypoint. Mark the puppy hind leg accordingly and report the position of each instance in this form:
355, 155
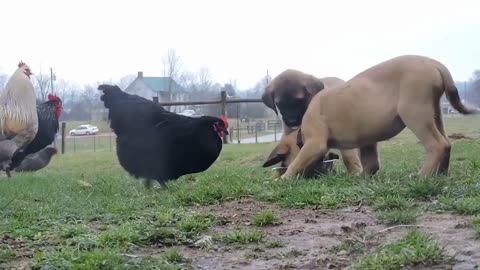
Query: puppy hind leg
369, 158
445, 163
425, 129
351, 160
310, 152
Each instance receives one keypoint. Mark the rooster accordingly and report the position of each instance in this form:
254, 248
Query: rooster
18, 114
48, 114
155, 144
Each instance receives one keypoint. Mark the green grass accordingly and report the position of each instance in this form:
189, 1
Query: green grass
422, 189
84, 211
415, 248
274, 244
391, 202
397, 217
294, 253
6, 254
100, 259
240, 236
265, 219
475, 222
172, 255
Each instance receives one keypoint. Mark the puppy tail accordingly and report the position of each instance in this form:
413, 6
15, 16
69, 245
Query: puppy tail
451, 92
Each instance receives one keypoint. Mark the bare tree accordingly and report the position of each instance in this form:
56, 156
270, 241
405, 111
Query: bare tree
90, 100
125, 81
188, 81
204, 79
172, 67
474, 94
63, 88
42, 85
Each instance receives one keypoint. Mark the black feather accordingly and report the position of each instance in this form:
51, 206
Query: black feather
37, 160
155, 144
47, 129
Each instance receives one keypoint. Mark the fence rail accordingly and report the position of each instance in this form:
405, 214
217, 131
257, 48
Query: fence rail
259, 129
211, 102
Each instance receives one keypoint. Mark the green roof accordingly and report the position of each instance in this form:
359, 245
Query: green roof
160, 84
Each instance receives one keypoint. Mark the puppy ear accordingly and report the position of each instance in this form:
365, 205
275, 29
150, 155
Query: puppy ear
278, 154
268, 99
333, 156
313, 85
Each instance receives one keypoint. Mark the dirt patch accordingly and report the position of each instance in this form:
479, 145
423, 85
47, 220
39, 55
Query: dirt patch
458, 136
455, 234
23, 252
309, 237
322, 239
305, 239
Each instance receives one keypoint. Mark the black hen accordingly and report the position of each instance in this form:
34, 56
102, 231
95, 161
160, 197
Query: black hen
48, 114
155, 144
37, 160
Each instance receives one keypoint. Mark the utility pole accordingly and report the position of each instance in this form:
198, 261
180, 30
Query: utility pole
52, 78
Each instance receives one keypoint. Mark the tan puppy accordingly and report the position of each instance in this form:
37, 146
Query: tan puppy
286, 151
376, 105
291, 91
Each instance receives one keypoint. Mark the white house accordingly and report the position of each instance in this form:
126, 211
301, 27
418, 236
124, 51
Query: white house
150, 87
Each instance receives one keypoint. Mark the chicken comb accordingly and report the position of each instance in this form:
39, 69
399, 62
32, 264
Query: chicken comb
52, 97
21, 64
224, 119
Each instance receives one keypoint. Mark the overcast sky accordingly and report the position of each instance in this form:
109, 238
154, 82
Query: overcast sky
92, 40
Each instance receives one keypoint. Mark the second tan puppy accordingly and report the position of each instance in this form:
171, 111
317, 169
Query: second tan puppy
291, 91
285, 152
288, 148
376, 105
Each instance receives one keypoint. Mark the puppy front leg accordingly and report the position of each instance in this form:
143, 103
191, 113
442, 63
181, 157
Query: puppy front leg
310, 152
351, 160
370, 161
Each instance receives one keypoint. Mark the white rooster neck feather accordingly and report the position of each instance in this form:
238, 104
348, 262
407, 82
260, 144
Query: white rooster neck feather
18, 101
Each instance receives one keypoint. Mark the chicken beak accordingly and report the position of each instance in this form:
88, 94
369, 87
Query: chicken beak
226, 131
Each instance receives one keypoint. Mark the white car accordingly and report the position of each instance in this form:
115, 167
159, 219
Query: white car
83, 130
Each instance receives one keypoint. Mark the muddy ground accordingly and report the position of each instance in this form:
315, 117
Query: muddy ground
311, 238
319, 239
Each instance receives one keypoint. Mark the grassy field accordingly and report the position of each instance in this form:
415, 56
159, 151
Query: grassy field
85, 212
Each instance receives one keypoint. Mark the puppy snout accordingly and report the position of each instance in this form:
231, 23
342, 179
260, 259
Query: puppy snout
292, 122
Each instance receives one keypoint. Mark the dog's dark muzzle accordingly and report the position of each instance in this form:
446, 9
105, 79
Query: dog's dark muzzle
292, 122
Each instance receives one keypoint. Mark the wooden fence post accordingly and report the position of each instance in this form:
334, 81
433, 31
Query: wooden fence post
223, 110
238, 135
64, 127
275, 131
256, 135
